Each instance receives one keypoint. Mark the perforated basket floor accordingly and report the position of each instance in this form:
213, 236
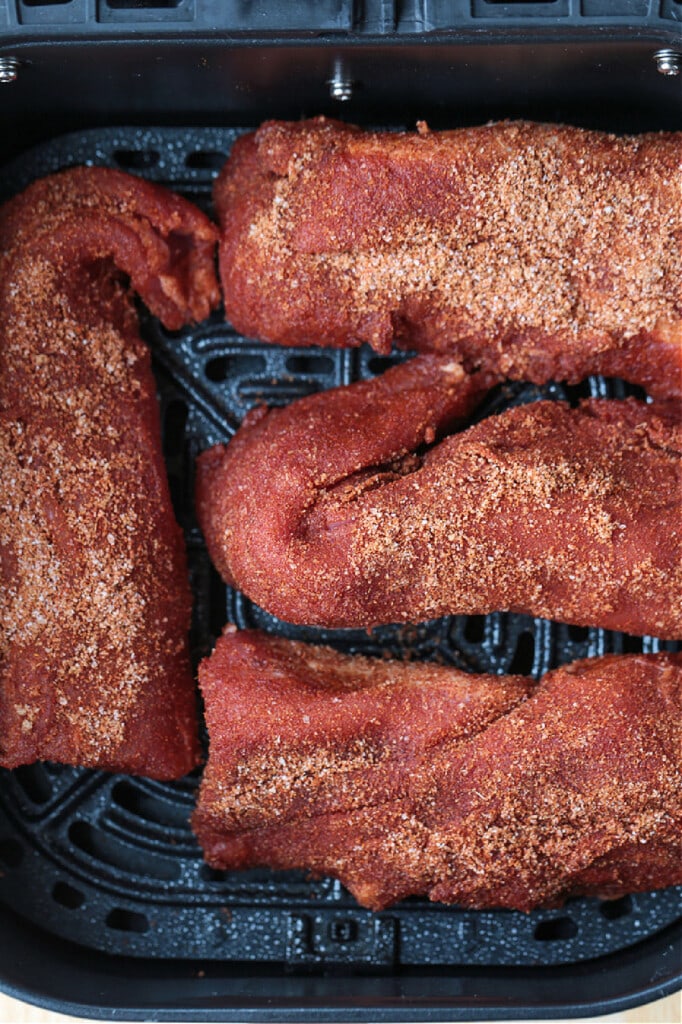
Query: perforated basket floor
109, 862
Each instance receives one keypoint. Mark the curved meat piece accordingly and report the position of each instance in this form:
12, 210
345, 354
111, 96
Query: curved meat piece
539, 251
329, 512
95, 601
409, 779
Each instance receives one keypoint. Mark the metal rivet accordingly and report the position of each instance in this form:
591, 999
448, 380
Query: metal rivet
9, 69
667, 62
340, 84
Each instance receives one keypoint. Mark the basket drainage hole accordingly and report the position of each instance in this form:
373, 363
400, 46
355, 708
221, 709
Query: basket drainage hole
474, 628
310, 364
175, 422
205, 160
35, 782
214, 875
67, 896
556, 928
613, 909
121, 853
524, 655
222, 367
136, 159
11, 853
217, 603
379, 364
127, 920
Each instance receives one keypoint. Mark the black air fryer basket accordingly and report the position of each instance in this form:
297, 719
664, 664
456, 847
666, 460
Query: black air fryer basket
106, 907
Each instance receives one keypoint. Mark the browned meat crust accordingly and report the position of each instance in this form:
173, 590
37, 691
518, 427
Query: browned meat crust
418, 779
95, 602
538, 251
329, 511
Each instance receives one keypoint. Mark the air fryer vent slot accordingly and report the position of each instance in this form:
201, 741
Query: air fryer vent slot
615, 8
145, 10
266, 15
521, 9
142, 5
51, 12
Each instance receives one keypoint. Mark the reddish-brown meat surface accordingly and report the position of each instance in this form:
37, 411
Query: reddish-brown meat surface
538, 251
329, 511
419, 779
95, 602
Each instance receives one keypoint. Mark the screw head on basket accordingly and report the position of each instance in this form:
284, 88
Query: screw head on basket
668, 62
340, 84
9, 69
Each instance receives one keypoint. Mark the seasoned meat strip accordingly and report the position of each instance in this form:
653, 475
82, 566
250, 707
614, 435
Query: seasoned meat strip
538, 251
409, 779
95, 601
340, 510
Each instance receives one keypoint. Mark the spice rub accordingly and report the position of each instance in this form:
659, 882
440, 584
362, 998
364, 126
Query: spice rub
418, 779
539, 251
95, 601
348, 508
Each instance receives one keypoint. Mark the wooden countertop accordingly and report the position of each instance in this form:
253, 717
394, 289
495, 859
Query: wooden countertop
665, 1011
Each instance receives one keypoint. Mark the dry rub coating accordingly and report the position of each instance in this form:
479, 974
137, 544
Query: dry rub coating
339, 510
95, 601
539, 251
411, 779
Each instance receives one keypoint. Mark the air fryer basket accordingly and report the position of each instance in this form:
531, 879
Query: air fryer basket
106, 907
